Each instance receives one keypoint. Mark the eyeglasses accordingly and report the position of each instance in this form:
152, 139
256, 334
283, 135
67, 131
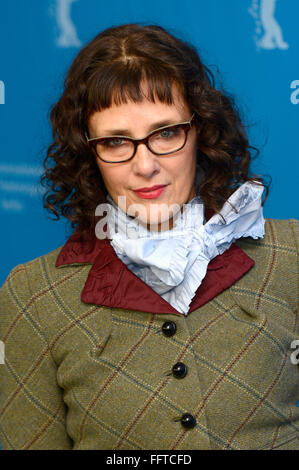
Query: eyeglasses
162, 141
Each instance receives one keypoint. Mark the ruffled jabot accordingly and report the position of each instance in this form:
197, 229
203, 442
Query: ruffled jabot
174, 262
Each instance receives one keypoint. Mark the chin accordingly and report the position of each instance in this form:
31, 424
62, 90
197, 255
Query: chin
159, 216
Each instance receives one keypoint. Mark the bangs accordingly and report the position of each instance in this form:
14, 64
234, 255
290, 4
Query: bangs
131, 81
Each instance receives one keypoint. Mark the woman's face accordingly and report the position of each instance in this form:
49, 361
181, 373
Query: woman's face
176, 172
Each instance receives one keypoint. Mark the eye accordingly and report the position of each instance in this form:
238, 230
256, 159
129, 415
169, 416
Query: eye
116, 142
113, 142
166, 133
169, 133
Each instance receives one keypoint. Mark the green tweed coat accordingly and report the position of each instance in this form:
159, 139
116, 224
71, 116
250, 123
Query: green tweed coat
85, 376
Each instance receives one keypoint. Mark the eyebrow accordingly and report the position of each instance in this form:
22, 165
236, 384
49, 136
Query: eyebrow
154, 126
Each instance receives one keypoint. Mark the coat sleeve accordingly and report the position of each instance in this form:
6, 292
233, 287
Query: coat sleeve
32, 410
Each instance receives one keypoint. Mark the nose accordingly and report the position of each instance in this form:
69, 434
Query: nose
145, 163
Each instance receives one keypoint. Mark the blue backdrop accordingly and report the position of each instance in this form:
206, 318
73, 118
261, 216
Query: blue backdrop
253, 43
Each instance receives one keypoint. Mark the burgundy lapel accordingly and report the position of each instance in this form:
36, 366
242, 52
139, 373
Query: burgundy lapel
112, 284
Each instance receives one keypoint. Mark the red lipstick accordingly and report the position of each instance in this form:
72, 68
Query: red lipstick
150, 192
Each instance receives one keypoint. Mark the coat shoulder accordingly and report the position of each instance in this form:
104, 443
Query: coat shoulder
284, 231
277, 251
273, 280
280, 234
41, 272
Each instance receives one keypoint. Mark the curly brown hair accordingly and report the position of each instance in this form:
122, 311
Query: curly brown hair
109, 70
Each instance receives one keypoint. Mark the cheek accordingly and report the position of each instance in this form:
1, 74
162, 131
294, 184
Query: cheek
114, 180
187, 165
106, 173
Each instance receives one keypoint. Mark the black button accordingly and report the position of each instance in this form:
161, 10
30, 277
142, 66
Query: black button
179, 370
169, 328
188, 421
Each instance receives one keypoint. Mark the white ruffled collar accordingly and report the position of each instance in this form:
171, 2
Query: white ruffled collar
174, 262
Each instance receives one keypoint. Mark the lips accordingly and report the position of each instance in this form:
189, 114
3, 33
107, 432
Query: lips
150, 193
146, 190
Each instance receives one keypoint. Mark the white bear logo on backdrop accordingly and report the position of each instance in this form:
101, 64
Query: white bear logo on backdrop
263, 13
68, 35
261, 10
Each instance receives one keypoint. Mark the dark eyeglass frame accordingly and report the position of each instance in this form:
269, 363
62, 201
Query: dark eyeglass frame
186, 125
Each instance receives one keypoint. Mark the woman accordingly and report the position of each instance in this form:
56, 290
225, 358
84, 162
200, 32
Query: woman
166, 320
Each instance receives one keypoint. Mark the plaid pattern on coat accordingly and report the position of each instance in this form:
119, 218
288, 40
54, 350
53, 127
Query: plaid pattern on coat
83, 376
